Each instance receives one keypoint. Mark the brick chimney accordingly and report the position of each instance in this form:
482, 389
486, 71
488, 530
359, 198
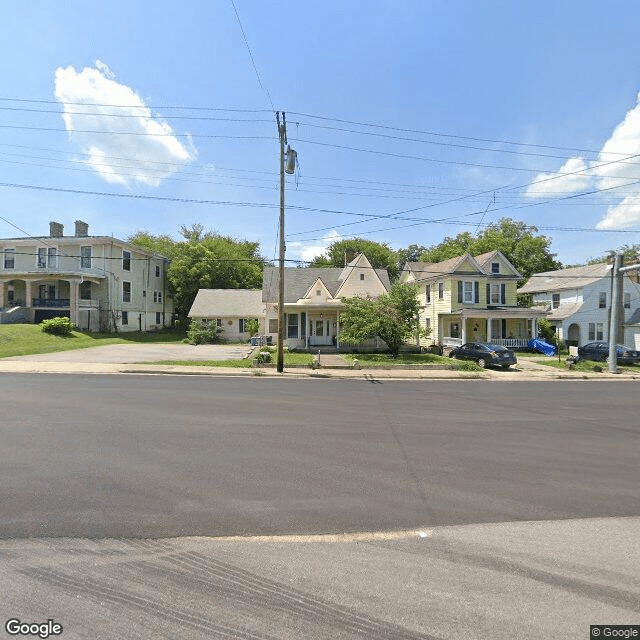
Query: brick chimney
82, 229
56, 230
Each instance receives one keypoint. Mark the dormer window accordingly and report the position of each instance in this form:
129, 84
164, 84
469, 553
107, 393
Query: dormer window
362, 276
318, 292
495, 267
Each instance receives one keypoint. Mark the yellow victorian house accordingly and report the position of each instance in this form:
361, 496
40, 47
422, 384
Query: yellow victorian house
467, 299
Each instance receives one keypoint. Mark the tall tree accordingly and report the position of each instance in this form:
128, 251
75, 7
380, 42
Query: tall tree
205, 260
529, 253
411, 254
380, 255
393, 317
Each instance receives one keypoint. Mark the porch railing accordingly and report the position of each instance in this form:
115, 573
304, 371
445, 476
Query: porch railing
511, 342
51, 302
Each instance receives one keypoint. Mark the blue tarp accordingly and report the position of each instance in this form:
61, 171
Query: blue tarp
541, 345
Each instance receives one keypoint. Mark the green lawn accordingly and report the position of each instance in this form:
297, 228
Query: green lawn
584, 365
290, 359
373, 359
27, 339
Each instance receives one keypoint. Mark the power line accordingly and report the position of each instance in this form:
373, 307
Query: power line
253, 62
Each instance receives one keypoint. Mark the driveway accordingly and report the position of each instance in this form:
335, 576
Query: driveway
128, 353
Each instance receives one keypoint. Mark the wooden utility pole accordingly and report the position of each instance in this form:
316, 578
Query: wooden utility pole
282, 132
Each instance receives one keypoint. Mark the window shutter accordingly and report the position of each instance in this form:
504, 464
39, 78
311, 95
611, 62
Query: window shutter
503, 293
460, 298
488, 294
476, 291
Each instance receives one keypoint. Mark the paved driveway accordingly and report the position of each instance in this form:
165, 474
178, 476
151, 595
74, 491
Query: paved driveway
127, 353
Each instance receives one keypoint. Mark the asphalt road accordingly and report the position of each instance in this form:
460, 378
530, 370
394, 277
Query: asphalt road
162, 456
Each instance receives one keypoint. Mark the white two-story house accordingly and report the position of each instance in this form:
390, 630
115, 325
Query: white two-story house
99, 282
579, 302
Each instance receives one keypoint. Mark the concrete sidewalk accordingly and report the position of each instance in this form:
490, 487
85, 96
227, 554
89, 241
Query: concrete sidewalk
524, 371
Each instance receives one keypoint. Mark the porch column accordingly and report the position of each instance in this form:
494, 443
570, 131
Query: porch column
27, 294
74, 286
2, 284
337, 330
488, 329
534, 327
463, 329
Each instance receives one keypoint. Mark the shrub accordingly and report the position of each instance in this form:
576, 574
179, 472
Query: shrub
57, 326
201, 332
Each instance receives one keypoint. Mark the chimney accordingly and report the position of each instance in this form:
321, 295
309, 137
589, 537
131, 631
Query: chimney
56, 230
82, 229
349, 255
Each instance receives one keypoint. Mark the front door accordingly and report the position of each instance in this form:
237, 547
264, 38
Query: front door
319, 332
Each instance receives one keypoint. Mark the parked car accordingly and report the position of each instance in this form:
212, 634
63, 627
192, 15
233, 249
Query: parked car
485, 354
599, 351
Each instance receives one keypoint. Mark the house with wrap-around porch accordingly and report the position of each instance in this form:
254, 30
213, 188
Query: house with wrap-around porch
313, 300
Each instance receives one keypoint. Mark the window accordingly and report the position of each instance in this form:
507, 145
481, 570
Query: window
126, 260
85, 290
495, 267
596, 331
9, 258
273, 325
427, 324
627, 301
157, 296
454, 330
158, 317
441, 290
11, 295
362, 276
42, 258
52, 258
157, 271
125, 317
318, 292
242, 328
218, 323
85, 257
468, 291
126, 292
602, 300
292, 325
555, 300
497, 294
427, 294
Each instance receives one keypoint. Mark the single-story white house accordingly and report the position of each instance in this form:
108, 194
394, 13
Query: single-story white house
230, 309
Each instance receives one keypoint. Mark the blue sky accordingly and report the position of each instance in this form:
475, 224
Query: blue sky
413, 120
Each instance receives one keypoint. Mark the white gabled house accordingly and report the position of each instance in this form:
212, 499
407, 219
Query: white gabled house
313, 299
231, 310
579, 299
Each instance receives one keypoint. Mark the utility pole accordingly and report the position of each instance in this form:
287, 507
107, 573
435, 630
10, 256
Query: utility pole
616, 318
282, 132
290, 168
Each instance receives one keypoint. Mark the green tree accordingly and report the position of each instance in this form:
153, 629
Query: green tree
205, 260
380, 255
393, 317
411, 254
529, 253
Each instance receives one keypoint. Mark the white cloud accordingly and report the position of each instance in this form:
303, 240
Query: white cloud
605, 174
623, 215
308, 251
89, 98
571, 178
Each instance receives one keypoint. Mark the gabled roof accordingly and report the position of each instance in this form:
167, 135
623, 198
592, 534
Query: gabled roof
571, 278
318, 283
426, 270
222, 303
485, 260
563, 311
298, 281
